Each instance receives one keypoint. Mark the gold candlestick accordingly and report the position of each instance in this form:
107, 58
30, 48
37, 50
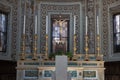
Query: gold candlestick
75, 44
86, 48
35, 47
46, 54
23, 47
98, 48
74, 53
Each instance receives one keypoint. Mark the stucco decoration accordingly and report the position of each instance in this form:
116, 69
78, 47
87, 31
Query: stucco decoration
59, 8
105, 27
29, 25
110, 7
91, 24
10, 6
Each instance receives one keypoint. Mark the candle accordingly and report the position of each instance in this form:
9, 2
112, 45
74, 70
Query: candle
97, 26
74, 24
86, 25
46, 24
24, 19
36, 24
24, 24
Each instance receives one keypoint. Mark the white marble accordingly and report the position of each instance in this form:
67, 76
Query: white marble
61, 67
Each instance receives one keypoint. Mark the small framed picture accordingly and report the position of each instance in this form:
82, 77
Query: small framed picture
90, 74
30, 74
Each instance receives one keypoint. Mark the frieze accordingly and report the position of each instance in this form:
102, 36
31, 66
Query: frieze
49, 63
72, 64
31, 63
89, 64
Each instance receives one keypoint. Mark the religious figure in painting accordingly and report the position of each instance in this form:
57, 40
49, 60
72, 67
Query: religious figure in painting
59, 35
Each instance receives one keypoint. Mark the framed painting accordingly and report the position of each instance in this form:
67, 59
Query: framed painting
90, 74
60, 34
33, 74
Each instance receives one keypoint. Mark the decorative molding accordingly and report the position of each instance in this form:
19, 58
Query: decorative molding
59, 8
110, 7
14, 29
11, 8
91, 22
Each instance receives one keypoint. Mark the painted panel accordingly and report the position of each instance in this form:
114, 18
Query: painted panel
47, 73
73, 73
90, 74
33, 74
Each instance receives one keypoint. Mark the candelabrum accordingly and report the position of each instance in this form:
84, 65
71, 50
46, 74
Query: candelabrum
35, 47
74, 53
23, 47
98, 48
86, 48
46, 54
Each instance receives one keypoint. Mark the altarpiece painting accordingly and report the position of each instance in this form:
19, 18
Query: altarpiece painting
60, 35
